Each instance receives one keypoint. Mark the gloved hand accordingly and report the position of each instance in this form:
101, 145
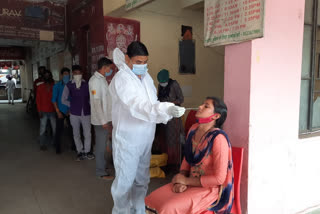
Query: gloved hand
176, 111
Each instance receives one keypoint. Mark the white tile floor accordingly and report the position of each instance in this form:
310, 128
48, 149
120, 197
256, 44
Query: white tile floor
36, 182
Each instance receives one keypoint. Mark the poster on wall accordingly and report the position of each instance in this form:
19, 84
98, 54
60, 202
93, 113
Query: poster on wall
119, 33
97, 52
233, 21
187, 51
130, 4
26, 19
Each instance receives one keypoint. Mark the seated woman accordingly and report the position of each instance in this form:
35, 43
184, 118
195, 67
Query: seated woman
205, 181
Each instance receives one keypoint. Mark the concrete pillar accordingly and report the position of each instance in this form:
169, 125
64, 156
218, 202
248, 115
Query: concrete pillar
23, 77
262, 91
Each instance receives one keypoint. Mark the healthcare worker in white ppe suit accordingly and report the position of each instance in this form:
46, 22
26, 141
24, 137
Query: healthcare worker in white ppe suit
135, 112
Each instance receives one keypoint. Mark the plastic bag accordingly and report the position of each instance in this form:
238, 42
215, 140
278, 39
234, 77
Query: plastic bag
159, 160
155, 163
157, 172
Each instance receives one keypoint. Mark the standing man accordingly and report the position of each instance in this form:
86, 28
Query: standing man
45, 107
76, 96
10, 86
135, 112
61, 109
39, 80
100, 100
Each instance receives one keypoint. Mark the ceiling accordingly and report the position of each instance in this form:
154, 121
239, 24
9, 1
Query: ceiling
17, 42
25, 43
198, 6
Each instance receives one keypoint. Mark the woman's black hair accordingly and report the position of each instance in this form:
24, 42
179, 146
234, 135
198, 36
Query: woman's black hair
104, 61
221, 108
64, 69
137, 48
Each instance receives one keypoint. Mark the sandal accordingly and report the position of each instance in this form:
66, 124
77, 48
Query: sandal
106, 177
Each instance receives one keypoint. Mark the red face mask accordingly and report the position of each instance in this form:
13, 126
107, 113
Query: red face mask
205, 120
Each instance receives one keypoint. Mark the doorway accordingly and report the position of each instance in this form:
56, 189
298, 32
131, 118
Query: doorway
13, 69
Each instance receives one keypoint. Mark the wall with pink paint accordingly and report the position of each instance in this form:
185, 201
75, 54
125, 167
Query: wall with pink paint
275, 99
281, 173
274, 113
237, 99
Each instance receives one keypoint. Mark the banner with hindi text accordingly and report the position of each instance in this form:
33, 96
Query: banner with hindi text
233, 21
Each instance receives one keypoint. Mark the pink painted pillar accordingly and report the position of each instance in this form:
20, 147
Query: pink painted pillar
237, 98
262, 92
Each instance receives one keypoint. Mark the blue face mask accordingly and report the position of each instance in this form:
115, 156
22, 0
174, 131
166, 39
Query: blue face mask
139, 69
65, 79
108, 74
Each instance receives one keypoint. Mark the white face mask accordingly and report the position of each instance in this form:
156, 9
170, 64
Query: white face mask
139, 69
77, 79
163, 84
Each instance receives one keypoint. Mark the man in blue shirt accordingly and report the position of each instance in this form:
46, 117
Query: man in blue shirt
61, 109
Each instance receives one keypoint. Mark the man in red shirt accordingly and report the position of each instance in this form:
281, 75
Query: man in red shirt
39, 80
45, 107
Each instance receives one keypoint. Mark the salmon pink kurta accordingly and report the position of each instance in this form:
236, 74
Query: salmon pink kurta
212, 170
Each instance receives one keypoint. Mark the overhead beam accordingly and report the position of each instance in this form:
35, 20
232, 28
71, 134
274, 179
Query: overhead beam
189, 3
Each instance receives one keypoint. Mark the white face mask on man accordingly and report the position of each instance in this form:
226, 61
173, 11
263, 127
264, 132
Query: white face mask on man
77, 79
163, 84
138, 69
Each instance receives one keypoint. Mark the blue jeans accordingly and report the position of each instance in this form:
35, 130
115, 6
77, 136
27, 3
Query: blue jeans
43, 125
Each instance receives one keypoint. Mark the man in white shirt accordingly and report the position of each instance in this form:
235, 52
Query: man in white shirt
100, 101
10, 86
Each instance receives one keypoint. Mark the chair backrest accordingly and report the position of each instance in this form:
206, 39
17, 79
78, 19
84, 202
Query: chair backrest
237, 157
191, 119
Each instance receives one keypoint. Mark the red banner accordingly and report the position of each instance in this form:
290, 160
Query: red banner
119, 33
5, 65
25, 19
12, 53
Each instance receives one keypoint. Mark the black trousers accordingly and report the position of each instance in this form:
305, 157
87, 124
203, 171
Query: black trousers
60, 130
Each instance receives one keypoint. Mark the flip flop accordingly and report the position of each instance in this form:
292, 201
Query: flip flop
106, 177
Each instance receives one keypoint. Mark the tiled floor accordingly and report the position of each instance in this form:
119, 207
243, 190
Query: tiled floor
35, 182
